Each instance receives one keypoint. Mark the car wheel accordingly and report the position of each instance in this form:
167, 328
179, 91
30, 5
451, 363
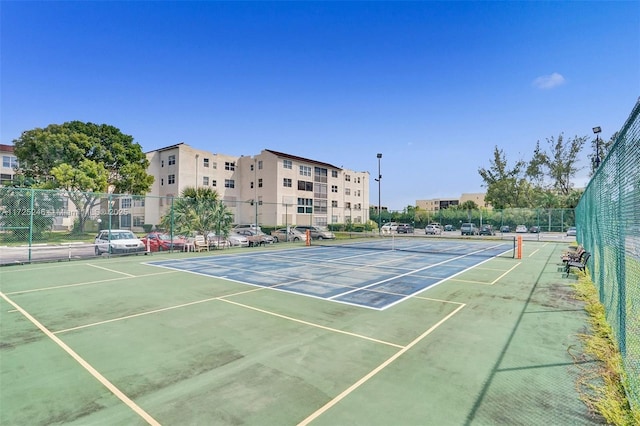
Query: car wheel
296, 239
320, 237
275, 239
97, 251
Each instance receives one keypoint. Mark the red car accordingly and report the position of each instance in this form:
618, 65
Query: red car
157, 241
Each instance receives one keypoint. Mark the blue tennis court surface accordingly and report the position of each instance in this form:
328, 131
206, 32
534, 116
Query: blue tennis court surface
365, 275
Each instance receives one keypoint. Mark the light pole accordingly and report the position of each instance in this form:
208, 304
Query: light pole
379, 207
597, 160
255, 188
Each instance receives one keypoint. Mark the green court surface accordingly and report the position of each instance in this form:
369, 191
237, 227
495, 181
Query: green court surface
118, 341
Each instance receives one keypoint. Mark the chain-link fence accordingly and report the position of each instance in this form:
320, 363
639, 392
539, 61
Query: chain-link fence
608, 221
536, 220
38, 225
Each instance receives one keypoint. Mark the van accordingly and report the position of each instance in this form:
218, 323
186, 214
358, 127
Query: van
468, 229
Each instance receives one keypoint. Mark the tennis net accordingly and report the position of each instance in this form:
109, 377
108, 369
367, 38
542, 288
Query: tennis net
427, 245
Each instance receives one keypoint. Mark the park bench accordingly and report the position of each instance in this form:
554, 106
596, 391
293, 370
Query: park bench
581, 263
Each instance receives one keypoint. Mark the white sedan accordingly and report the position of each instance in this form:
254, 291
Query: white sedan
432, 230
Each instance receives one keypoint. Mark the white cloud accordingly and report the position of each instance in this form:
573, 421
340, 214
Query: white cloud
549, 81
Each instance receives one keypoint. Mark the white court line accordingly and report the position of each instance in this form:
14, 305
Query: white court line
538, 249
413, 272
106, 383
335, 330
88, 283
155, 311
110, 270
511, 269
375, 371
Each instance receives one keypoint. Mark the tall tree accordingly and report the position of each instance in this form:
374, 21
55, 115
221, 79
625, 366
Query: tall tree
83, 159
563, 161
506, 186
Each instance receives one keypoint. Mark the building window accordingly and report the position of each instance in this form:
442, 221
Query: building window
172, 160
161, 163
305, 171
229, 183
214, 165
171, 179
320, 206
251, 167
205, 180
138, 202
334, 173
9, 161
347, 178
305, 205
214, 183
347, 205
161, 181
334, 203
334, 188
260, 183
347, 191
303, 185
358, 179
287, 164
229, 165
125, 203
260, 165
286, 182
205, 162
251, 185
357, 192
320, 175
138, 220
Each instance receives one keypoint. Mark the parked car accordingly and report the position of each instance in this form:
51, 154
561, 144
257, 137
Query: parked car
157, 241
487, 230
534, 229
317, 232
293, 235
432, 230
468, 229
449, 228
505, 228
118, 241
521, 229
256, 238
572, 231
237, 240
404, 228
389, 227
217, 241
246, 226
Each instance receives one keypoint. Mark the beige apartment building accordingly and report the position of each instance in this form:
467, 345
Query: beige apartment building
9, 163
271, 188
435, 204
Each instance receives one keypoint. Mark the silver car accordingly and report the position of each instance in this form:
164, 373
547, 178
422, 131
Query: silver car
293, 235
316, 232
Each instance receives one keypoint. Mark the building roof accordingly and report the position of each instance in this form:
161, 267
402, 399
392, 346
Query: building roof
302, 159
6, 148
166, 148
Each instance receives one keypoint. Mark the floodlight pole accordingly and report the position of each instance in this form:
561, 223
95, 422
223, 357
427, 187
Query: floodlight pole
597, 160
379, 206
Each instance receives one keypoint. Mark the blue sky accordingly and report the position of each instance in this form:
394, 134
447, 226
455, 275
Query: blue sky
433, 86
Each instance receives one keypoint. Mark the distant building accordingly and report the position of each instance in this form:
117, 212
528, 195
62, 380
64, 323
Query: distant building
9, 164
271, 188
435, 204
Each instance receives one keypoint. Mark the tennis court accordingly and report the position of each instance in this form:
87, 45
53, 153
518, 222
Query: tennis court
306, 335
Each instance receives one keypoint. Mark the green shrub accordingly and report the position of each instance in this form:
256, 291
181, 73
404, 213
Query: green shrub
147, 227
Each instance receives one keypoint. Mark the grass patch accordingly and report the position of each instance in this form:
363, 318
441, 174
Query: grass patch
602, 384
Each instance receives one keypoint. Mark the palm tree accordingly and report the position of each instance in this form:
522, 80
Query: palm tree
198, 210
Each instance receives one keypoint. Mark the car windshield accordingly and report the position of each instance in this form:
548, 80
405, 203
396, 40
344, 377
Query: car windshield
122, 236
